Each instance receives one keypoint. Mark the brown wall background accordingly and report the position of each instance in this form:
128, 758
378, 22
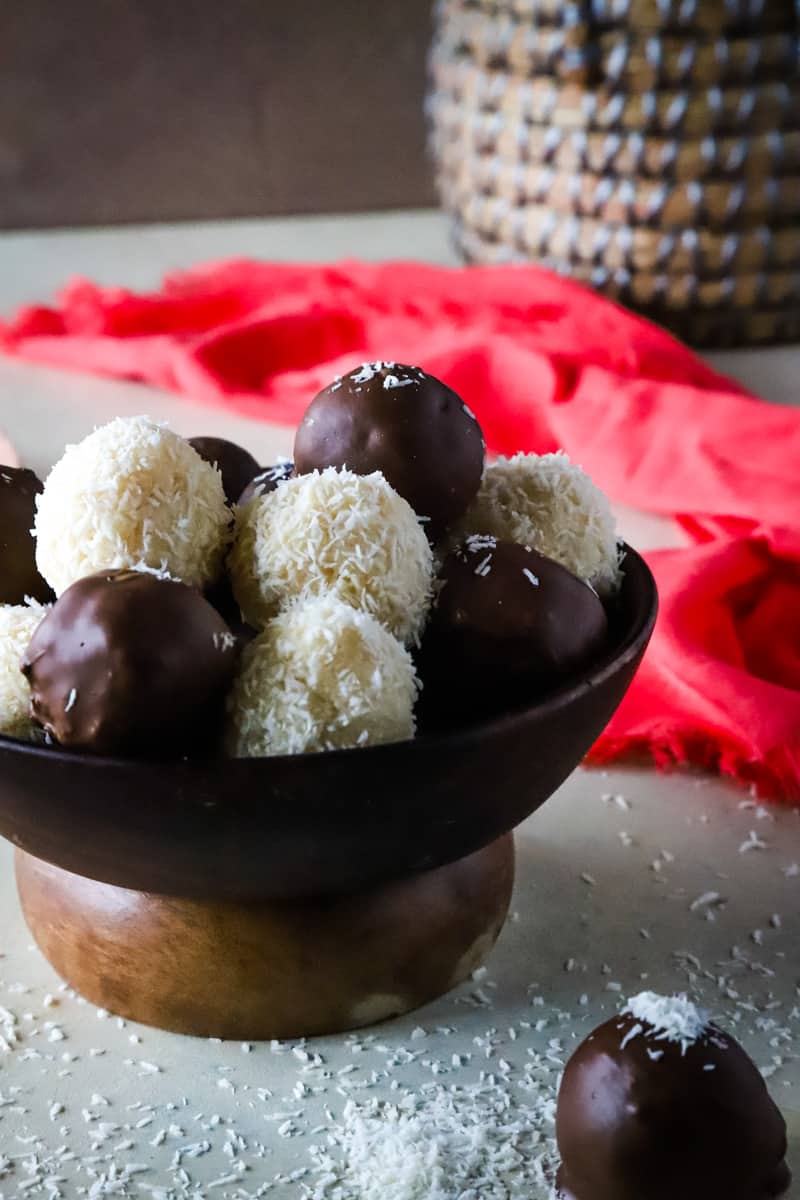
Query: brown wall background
123, 110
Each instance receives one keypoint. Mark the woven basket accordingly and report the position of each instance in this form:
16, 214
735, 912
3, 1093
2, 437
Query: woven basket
649, 148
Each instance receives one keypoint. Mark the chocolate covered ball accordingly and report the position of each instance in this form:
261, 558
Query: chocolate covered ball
507, 625
267, 480
235, 464
404, 423
659, 1103
19, 577
129, 663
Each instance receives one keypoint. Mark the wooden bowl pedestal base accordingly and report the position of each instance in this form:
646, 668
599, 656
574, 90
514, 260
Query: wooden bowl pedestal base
269, 969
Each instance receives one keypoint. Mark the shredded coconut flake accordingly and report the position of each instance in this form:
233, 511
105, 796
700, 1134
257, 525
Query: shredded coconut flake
223, 641
447, 1144
706, 900
752, 842
633, 1032
476, 542
368, 371
394, 381
670, 1018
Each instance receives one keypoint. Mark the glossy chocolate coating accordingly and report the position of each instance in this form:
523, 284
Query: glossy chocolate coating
129, 664
266, 480
507, 625
18, 574
396, 419
236, 465
631, 1126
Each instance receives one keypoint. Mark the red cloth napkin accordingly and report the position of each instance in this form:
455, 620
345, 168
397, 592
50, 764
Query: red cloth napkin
543, 363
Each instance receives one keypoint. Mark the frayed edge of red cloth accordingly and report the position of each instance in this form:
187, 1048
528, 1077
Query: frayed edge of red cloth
774, 776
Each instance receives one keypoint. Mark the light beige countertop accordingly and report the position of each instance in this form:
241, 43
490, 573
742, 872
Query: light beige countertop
626, 879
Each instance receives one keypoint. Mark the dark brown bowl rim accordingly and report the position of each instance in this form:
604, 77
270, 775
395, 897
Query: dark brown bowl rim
610, 662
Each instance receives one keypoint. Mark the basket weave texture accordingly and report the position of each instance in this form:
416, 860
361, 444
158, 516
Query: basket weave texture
650, 148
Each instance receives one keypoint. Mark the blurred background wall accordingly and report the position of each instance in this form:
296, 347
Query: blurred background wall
123, 110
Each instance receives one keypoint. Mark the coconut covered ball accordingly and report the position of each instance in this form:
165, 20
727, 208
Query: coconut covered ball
548, 503
333, 531
18, 623
132, 494
321, 676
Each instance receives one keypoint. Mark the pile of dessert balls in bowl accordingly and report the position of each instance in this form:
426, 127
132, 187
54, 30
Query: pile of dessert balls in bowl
172, 607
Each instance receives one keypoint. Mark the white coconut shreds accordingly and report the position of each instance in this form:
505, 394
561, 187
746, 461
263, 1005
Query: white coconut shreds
333, 531
18, 623
462, 1143
670, 1018
321, 676
131, 494
546, 502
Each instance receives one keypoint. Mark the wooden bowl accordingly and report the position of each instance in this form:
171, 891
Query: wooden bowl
320, 824
295, 896
269, 968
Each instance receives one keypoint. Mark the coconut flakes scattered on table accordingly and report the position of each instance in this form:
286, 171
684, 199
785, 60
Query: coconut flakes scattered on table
752, 842
322, 1103
483, 1141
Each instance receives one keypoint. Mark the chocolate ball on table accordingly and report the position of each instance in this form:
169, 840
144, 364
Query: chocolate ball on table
507, 625
267, 480
658, 1103
404, 423
235, 464
127, 663
19, 576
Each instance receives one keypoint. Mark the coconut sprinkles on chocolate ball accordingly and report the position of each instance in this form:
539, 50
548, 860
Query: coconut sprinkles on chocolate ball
505, 609
267, 479
659, 1102
127, 662
507, 626
408, 425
